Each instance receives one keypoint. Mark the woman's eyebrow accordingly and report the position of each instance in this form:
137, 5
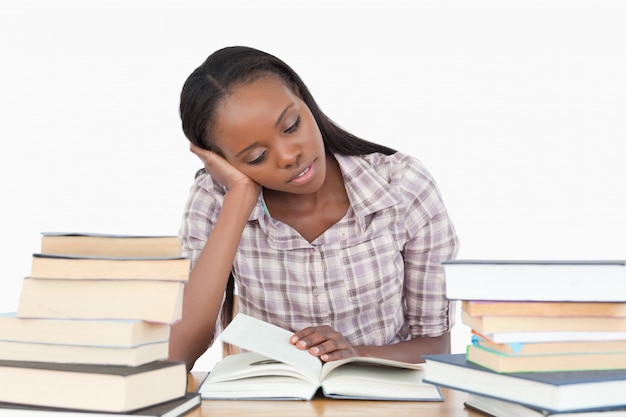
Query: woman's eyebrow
280, 118
282, 115
252, 145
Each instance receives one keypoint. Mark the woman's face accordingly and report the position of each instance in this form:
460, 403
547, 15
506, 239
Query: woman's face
267, 132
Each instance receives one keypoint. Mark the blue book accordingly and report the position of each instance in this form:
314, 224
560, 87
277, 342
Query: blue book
551, 391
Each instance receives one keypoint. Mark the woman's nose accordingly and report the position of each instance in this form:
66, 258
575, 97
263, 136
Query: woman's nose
288, 155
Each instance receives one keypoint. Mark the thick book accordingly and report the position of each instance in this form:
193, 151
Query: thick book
154, 301
167, 268
96, 355
108, 333
494, 407
586, 361
536, 280
115, 389
543, 308
111, 245
553, 391
495, 324
273, 369
543, 348
173, 408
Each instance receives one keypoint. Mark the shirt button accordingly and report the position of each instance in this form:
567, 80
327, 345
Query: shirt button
316, 292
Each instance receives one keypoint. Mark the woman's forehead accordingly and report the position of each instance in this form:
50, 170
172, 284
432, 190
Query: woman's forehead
253, 108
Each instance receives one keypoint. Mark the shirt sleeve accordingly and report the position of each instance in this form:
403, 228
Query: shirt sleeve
201, 209
431, 240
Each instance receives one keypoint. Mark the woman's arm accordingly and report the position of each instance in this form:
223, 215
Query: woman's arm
203, 295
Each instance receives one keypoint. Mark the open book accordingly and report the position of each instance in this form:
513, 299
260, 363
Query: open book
272, 368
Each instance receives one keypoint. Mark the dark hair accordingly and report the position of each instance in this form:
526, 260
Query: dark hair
232, 66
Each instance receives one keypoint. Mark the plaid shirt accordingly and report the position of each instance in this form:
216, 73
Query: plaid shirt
375, 275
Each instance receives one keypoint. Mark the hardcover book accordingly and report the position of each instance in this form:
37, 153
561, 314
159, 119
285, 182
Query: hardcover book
125, 299
536, 280
173, 408
110, 245
571, 391
100, 267
551, 362
494, 407
543, 348
113, 333
273, 369
96, 355
115, 389
479, 308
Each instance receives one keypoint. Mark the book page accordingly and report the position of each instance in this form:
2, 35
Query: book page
328, 367
271, 341
252, 364
367, 381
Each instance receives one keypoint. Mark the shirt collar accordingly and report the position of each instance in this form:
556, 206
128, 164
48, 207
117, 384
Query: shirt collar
367, 189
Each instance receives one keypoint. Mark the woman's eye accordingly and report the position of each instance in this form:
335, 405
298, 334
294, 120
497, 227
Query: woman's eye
294, 126
258, 159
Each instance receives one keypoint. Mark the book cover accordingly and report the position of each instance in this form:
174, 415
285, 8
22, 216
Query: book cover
552, 391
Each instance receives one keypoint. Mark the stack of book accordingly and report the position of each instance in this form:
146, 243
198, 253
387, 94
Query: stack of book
557, 329
91, 332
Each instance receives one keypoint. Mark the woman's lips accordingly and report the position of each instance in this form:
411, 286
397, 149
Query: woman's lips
305, 175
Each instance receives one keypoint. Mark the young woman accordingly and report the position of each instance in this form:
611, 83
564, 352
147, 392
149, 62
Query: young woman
336, 238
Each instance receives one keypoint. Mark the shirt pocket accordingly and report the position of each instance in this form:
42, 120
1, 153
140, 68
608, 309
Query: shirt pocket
373, 272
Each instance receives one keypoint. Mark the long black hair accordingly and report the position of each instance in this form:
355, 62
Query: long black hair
233, 66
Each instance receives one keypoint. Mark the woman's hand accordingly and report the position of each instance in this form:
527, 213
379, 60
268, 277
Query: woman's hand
221, 170
323, 342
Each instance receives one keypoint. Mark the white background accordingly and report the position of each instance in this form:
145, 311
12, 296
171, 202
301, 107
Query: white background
518, 108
